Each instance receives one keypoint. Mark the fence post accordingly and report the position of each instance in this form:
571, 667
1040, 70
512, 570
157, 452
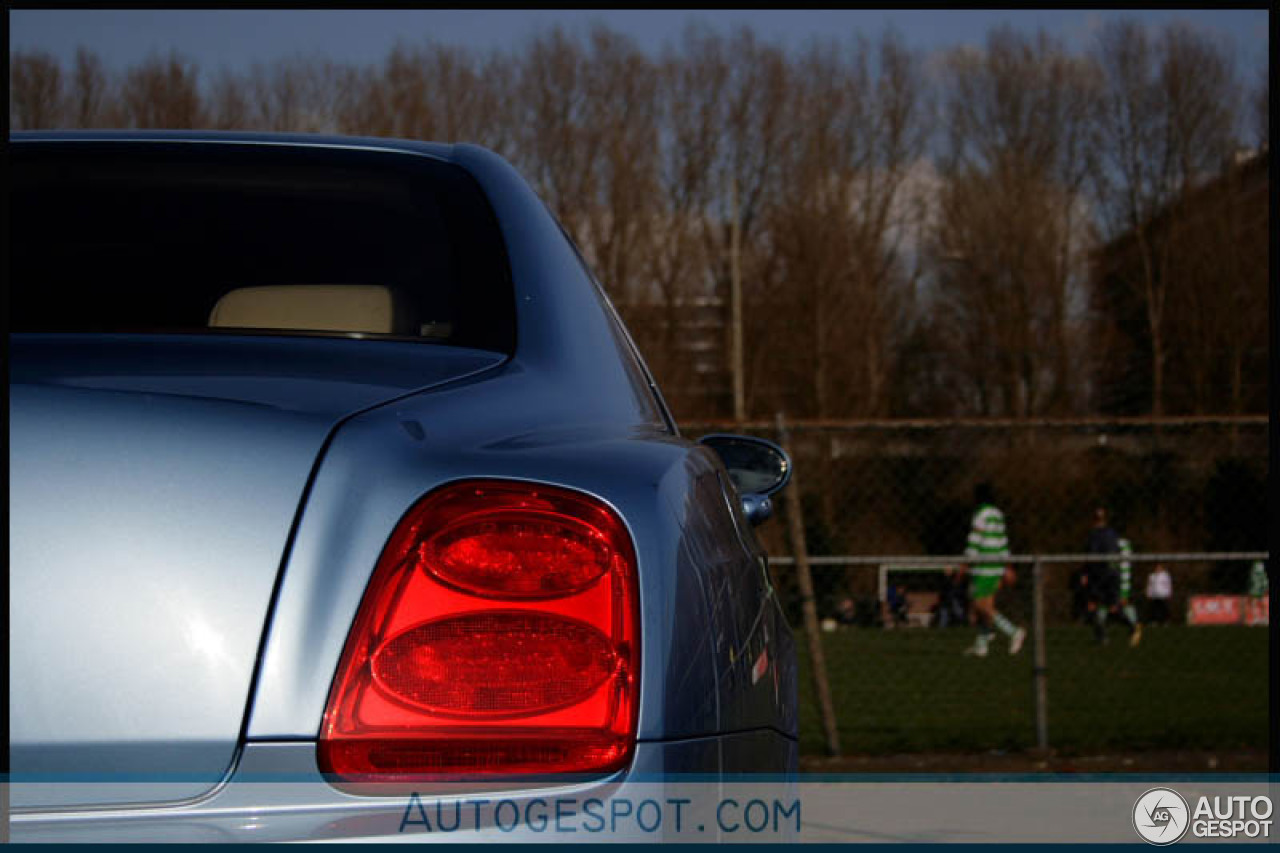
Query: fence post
817, 663
1041, 656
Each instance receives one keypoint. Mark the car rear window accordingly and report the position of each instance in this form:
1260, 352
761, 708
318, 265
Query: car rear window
260, 239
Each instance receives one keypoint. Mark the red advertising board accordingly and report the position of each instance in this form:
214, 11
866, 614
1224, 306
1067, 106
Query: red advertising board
1227, 610
1258, 611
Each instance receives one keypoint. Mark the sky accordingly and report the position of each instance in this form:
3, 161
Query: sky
235, 39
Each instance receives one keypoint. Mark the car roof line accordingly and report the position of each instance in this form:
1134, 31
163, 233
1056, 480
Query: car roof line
436, 150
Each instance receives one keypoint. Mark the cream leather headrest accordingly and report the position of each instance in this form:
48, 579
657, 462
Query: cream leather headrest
307, 307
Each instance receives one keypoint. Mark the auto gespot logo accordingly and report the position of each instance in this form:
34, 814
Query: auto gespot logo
1162, 816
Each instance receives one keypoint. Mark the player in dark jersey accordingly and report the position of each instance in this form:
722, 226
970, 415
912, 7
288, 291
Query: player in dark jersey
1102, 579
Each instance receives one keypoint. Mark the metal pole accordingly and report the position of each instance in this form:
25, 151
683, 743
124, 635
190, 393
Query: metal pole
1041, 656
735, 283
817, 663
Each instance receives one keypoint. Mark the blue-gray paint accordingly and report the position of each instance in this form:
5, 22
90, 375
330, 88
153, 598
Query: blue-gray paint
155, 481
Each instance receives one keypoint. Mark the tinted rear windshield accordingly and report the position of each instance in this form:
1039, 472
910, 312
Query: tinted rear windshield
260, 239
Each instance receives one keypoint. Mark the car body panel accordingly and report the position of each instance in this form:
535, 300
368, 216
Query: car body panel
143, 568
144, 576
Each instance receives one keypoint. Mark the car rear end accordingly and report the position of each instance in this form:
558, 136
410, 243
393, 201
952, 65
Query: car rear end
262, 579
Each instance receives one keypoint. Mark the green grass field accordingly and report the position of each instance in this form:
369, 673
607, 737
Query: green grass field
914, 691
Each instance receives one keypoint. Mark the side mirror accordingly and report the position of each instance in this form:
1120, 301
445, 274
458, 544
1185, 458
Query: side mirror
758, 469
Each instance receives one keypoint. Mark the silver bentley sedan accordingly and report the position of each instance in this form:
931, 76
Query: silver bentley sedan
333, 474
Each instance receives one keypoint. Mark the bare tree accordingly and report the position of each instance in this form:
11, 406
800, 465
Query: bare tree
690, 93
622, 94
746, 171
888, 131
294, 94
229, 102
429, 92
1219, 294
498, 126
35, 90
556, 143
888, 216
360, 100
809, 220
90, 99
1166, 119
163, 93
406, 84
1010, 234
467, 107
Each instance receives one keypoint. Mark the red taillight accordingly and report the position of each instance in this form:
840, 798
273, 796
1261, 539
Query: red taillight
498, 636
518, 555
492, 663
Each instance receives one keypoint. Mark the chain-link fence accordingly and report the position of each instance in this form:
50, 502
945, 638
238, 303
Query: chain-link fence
886, 511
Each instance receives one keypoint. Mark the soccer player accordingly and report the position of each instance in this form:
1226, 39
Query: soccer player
1102, 581
1127, 612
986, 548
1258, 583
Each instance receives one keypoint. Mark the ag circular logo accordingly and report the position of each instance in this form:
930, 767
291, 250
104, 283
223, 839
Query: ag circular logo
1161, 816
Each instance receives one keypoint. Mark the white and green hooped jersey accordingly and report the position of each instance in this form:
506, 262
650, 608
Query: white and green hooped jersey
1125, 568
987, 541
